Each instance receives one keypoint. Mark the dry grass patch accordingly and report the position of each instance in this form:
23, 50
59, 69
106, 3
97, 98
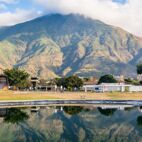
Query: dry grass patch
15, 95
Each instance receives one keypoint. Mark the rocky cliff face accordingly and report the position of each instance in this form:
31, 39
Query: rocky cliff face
56, 45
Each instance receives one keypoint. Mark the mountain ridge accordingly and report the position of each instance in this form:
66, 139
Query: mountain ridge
61, 45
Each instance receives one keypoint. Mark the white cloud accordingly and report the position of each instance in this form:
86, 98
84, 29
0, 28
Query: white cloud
9, 1
19, 16
127, 16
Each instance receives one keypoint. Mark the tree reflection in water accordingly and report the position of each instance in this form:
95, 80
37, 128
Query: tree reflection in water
15, 115
129, 108
72, 110
107, 112
139, 120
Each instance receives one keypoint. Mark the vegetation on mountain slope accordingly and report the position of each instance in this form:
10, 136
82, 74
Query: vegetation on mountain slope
62, 45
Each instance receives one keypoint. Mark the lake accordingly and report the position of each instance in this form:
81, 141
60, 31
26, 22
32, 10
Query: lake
71, 124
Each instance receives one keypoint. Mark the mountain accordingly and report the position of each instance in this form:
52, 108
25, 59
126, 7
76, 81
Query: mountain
56, 44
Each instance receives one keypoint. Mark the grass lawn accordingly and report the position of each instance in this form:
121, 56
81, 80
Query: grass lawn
15, 95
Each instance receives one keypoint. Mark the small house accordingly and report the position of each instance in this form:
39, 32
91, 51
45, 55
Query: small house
3, 82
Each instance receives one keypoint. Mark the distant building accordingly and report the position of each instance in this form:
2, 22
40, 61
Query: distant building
139, 77
106, 87
34, 81
3, 80
113, 87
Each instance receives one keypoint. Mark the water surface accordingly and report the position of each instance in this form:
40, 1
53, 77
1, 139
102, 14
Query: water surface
71, 124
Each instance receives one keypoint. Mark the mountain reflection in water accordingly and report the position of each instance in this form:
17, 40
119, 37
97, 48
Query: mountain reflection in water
71, 124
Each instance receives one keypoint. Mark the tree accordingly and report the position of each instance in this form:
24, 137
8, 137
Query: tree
70, 82
17, 77
73, 82
107, 79
131, 81
139, 69
60, 82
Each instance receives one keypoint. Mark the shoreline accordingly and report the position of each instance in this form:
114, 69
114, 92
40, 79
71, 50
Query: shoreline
26, 98
30, 103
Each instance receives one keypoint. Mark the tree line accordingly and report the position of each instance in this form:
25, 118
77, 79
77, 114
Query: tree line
20, 78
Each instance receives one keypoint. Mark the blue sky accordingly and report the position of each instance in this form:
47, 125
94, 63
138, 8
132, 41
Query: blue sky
126, 14
20, 4
120, 1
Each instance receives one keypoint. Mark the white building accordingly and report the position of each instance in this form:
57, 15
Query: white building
139, 77
112, 87
106, 87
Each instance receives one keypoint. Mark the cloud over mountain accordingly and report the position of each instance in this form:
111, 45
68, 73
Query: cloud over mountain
122, 13
18, 16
